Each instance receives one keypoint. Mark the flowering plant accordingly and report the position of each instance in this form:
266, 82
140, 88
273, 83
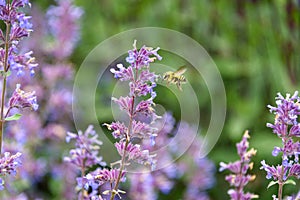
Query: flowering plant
12, 61
140, 113
286, 127
239, 177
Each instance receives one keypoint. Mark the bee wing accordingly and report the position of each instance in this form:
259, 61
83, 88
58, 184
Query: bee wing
180, 71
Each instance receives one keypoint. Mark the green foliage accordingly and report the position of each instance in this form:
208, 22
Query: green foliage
13, 117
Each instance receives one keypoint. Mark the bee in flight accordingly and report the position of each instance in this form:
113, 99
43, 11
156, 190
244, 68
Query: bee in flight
176, 77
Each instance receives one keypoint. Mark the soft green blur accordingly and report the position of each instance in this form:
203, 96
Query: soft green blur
255, 45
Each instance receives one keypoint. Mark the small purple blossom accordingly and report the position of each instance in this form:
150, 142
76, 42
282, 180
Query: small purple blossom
20, 27
19, 63
286, 127
122, 73
105, 175
63, 23
143, 57
87, 148
134, 152
119, 129
21, 99
125, 103
141, 83
8, 165
239, 177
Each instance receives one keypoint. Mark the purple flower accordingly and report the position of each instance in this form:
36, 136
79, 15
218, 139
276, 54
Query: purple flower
122, 73
134, 152
143, 57
119, 129
8, 165
63, 23
23, 62
286, 127
87, 148
21, 99
145, 107
274, 172
239, 177
286, 112
125, 103
105, 175
141, 83
142, 186
140, 129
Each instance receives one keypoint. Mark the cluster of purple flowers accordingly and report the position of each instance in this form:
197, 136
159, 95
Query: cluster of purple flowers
84, 156
287, 128
141, 83
17, 28
42, 133
240, 177
194, 172
8, 165
14, 62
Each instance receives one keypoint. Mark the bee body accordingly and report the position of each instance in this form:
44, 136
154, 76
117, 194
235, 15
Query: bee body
176, 77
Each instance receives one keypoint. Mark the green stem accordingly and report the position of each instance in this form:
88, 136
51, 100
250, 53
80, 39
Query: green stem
5, 69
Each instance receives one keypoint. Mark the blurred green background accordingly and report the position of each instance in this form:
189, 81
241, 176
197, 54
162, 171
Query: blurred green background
254, 43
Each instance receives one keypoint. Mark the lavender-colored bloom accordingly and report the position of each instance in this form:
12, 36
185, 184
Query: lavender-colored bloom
145, 107
105, 175
87, 148
119, 129
19, 63
8, 165
63, 23
134, 152
286, 112
197, 176
125, 103
239, 177
143, 57
21, 99
286, 126
98, 178
142, 187
141, 83
122, 73
20, 27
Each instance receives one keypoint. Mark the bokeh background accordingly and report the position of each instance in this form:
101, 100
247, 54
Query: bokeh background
255, 45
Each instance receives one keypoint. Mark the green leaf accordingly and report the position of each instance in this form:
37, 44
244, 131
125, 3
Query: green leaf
8, 73
13, 117
272, 183
5, 74
290, 182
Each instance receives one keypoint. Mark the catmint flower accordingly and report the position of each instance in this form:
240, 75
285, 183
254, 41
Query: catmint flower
8, 165
105, 175
122, 73
20, 27
239, 177
143, 57
141, 83
64, 27
21, 99
87, 148
119, 129
286, 127
133, 152
23, 62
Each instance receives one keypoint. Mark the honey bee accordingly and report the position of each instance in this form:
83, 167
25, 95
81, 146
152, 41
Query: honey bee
175, 77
